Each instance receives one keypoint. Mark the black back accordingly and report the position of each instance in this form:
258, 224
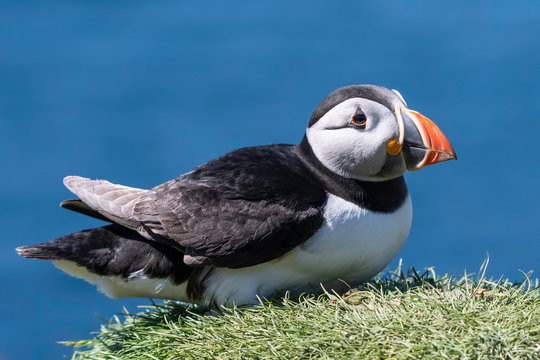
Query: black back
246, 207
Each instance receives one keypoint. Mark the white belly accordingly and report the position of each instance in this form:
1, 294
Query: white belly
352, 245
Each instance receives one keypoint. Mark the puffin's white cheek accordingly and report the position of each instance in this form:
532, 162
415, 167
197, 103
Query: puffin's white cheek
344, 151
368, 160
328, 145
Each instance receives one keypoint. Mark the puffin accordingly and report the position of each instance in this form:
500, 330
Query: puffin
259, 222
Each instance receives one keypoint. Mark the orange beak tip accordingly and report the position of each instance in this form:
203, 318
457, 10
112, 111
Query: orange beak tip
436, 141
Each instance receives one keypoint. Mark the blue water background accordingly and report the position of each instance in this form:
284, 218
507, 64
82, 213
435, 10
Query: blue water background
138, 92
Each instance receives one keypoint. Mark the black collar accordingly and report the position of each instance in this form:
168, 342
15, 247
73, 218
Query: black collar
383, 196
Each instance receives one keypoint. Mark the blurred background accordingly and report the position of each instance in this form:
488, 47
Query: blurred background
139, 92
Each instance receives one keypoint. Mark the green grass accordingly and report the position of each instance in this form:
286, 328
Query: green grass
397, 316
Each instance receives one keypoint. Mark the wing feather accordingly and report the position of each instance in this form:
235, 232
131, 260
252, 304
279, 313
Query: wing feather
247, 207
115, 202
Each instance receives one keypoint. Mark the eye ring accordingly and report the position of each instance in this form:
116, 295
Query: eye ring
359, 119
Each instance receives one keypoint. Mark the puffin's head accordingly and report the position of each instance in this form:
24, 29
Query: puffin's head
366, 132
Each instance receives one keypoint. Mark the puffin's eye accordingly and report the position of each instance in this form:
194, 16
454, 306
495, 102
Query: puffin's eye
359, 119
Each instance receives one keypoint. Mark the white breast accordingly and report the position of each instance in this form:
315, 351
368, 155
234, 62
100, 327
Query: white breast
353, 245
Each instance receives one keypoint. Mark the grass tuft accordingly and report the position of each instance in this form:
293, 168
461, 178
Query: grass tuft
397, 316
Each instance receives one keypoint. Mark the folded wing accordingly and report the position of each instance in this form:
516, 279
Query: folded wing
244, 208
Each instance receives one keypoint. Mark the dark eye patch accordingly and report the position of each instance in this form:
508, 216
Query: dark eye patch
359, 119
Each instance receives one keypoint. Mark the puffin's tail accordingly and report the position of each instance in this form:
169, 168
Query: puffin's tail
93, 248
41, 251
119, 260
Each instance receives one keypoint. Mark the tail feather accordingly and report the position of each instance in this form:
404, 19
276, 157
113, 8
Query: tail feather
113, 250
41, 251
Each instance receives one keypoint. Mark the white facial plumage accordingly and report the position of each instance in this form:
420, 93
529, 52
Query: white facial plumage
354, 152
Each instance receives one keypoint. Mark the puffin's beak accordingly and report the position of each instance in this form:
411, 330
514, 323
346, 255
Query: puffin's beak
423, 143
